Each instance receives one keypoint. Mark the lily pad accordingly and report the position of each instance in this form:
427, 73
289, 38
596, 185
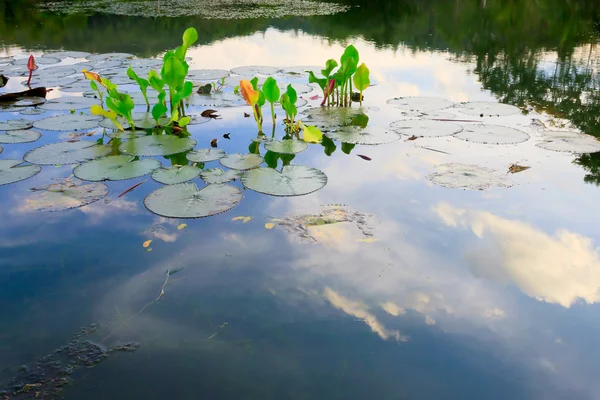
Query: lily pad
142, 120
487, 109
234, 80
205, 155
110, 56
69, 103
175, 174
66, 153
217, 175
438, 115
25, 101
300, 88
293, 180
420, 103
59, 71
301, 70
15, 125
241, 162
67, 122
138, 98
466, 176
11, 172
368, 136
218, 99
44, 60
68, 54
570, 142
425, 128
24, 136
51, 81
157, 145
65, 195
330, 117
255, 70
126, 135
207, 74
184, 200
115, 168
492, 134
32, 111
286, 146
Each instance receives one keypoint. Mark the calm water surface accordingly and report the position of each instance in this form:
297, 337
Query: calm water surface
464, 295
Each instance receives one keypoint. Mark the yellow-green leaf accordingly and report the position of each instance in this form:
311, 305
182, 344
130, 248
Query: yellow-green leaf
238, 218
147, 243
247, 219
97, 110
248, 92
312, 134
361, 77
181, 226
270, 225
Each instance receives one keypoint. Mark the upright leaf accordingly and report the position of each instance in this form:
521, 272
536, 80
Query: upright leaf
329, 67
173, 72
312, 134
155, 82
248, 92
319, 81
291, 92
158, 111
361, 78
271, 90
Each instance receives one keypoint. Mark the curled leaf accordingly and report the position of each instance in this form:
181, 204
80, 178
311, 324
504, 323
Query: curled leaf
250, 95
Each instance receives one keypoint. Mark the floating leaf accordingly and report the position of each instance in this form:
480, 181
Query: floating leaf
330, 118
570, 142
368, 136
269, 225
66, 153
425, 128
364, 157
181, 226
293, 180
64, 196
241, 162
312, 134
240, 218
301, 70
420, 103
205, 155
73, 122
515, 168
23, 101
68, 103
217, 175
32, 111
175, 174
288, 146
491, 134
115, 168
131, 188
247, 219
157, 145
207, 74
15, 125
487, 109
146, 243
12, 171
218, 99
184, 200
142, 120
252, 70
466, 176
24, 136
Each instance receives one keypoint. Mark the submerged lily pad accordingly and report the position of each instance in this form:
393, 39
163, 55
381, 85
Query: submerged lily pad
207, 74
293, 180
24, 136
492, 134
73, 122
425, 128
11, 172
255, 70
241, 162
15, 125
286, 146
157, 145
66, 153
368, 136
466, 176
25, 101
184, 200
570, 142
420, 103
217, 175
487, 108
68, 103
205, 155
115, 168
175, 174
65, 195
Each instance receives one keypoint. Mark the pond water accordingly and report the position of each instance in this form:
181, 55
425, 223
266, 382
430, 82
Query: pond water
431, 265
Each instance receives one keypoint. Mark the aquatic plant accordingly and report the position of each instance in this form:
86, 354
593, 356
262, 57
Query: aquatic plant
252, 97
118, 104
288, 103
31, 66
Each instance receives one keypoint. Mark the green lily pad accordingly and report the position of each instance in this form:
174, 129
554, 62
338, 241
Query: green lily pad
421, 104
66, 153
11, 172
65, 195
32, 111
25, 101
175, 174
234, 80
184, 200
286, 146
301, 70
487, 109
368, 135
241, 162
52, 82
75, 122
217, 175
67, 54
252, 70
157, 145
425, 128
15, 125
330, 118
24, 136
491, 134
44, 60
207, 74
125, 135
115, 168
68, 103
293, 180
570, 142
110, 56
142, 120
218, 99
205, 155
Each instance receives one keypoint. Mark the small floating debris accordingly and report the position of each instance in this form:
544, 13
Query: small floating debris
487, 109
570, 142
492, 134
293, 180
466, 176
516, 168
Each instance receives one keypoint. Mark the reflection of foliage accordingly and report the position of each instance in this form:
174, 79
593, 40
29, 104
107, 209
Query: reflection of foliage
591, 163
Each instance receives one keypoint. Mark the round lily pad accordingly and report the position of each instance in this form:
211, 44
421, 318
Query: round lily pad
110, 56
32, 111
66, 153
262, 138
218, 99
184, 200
11, 172
286, 146
255, 70
425, 128
51, 81
144, 63
115, 168
65, 196
330, 117
234, 80
217, 175
301, 70
69, 103
293, 180
420, 103
205, 155
25, 101
142, 120
8, 59
466, 176
138, 98
207, 74
15, 125
68, 122
492, 134
570, 142
175, 174
241, 162
368, 135
24, 136
125, 135
44, 60
438, 115
59, 71
300, 88
157, 145
67, 54
487, 109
